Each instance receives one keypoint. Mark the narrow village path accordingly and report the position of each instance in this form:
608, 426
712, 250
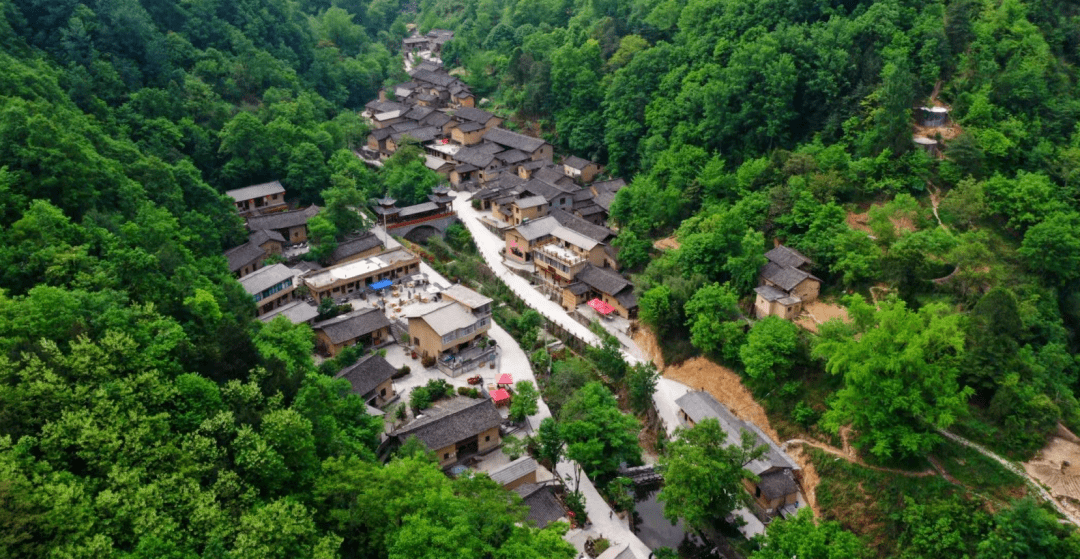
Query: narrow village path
664, 397
1009, 465
514, 361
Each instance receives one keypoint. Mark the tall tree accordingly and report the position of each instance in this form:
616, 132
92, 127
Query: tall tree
703, 473
901, 373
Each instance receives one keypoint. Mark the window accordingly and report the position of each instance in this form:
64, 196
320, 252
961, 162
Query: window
382, 393
446, 456
487, 438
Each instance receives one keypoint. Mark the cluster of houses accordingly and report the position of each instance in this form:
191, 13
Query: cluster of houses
551, 215
786, 284
431, 42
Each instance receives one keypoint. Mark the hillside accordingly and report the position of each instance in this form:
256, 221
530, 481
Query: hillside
952, 242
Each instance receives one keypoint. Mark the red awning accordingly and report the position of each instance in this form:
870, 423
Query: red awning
505, 379
500, 395
601, 307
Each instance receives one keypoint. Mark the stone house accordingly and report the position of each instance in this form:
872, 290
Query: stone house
522, 239
371, 378
581, 170
367, 327
291, 225
455, 429
604, 284
535, 148
785, 284
258, 198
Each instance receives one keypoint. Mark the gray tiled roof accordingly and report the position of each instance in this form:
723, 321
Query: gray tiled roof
256, 191
265, 278
575, 162
575, 223
282, 220
541, 188
243, 255
403, 126
553, 175
352, 325
785, 277
420, 208
513, 471
699, 405
466, 296
435, 77
488, 147
605, 280
473, 156
452, 422
470, 127
530, 202
770, 293
604, 200
298, 312
367, 374
514, 140
419, 113
778, 484
611, 186
263, 236
544, 507
785, 256
512, 156
537, 228
443, 318
471, 114
425, 134
436, 119
364, 243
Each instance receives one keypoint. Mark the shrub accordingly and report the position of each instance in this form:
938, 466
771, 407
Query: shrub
404, 370
428, 361
420, 399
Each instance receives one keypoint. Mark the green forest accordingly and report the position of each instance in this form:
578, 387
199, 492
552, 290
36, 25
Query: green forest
740, 123
145, 413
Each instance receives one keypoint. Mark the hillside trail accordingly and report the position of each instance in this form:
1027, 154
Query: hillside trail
1032, 483
935, 201
848, 453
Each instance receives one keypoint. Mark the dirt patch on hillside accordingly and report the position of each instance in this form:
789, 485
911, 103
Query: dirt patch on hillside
819, 312
646, 341
1057, 466
724, 385
809, 477
667, 243
860, 221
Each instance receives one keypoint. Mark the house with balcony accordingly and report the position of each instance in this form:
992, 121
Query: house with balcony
258, 198
524, 238
449, 330
560, 260
271, 287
